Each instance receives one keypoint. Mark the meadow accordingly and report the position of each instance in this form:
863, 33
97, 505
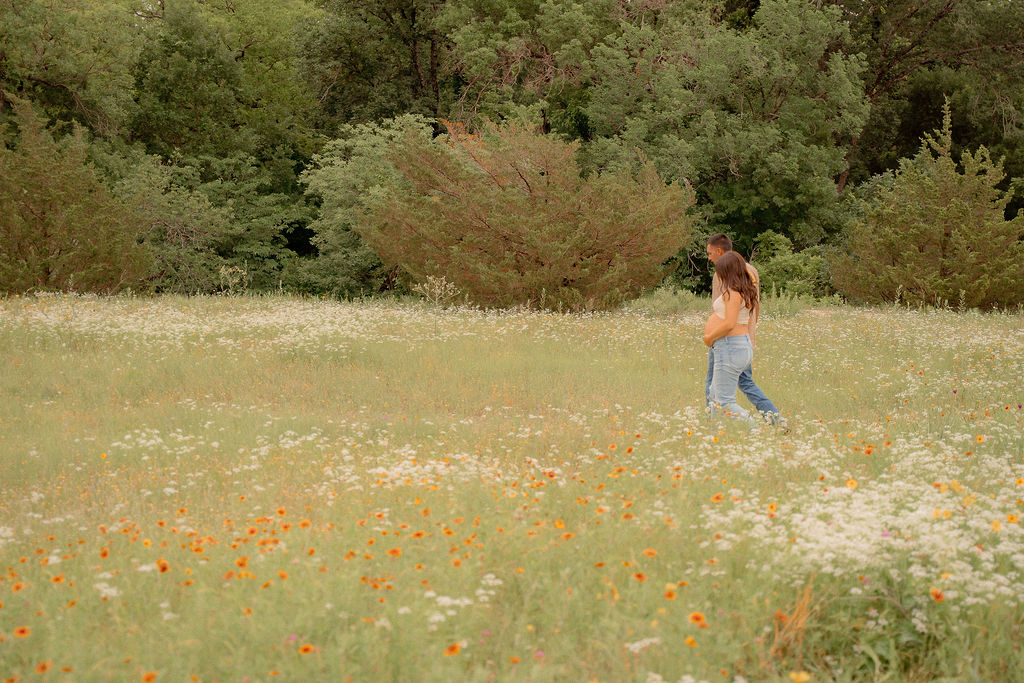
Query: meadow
275, 488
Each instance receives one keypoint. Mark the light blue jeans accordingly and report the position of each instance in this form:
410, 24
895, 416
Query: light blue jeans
746, 384
732, 357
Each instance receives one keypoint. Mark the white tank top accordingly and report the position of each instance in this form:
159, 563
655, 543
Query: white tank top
718, 306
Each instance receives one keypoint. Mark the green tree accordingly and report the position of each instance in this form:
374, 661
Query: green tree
528, 55
219, 98
919, 51
352, 169
786, 271
181, 228
506, 216
751, 117
933, 233
73, 58
369, 60
190, 90
60, 228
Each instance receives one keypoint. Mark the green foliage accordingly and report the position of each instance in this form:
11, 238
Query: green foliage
217, 80
218, 99
60, 228
261, 220
784, 271
72, 58
352, 169
751, 117
765, 108
919, 51
532, 53
934, 234
369, 60
181, 228
507, 218
668, 300
190, 89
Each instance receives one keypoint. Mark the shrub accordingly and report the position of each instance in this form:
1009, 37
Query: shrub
933, 234
506, 217
181, 228
60, 228
784, 271
352, 169
669, 300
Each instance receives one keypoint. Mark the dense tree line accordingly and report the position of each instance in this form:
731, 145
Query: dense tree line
253, 142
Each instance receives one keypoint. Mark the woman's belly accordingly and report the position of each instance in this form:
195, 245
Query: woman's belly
714, 321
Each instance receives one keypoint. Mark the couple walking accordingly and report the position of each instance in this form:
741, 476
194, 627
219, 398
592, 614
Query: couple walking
729, 334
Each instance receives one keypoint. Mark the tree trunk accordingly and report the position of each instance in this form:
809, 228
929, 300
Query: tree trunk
418, 83
434, 62
844, 176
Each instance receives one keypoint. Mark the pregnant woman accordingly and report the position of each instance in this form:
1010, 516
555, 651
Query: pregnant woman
726, 332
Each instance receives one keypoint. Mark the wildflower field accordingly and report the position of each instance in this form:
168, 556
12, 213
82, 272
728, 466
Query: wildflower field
291, 489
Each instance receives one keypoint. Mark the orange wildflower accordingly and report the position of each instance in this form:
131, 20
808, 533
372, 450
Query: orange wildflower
698, 618
242, 562
717, 498
57, 579
282, 511
17, 586
149, 677
640, 576
937, 595
650, 552
22, 632
43, 667
306, 649
691, 641
452, 649
283, 574
395, 552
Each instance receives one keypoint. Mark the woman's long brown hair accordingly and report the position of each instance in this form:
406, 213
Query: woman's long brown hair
732, 270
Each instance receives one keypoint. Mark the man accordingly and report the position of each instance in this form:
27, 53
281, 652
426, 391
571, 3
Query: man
717, 245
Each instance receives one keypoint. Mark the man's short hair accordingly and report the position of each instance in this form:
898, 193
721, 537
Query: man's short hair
720, 241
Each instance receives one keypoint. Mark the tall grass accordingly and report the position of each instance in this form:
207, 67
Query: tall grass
307, 490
